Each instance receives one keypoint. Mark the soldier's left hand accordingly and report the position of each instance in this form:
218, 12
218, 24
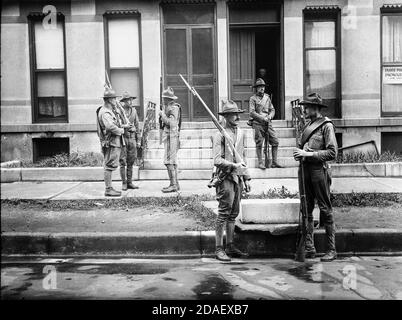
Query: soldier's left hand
298, 153
247, 186
138, 145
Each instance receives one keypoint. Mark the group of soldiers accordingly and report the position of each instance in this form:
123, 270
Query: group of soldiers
119, 133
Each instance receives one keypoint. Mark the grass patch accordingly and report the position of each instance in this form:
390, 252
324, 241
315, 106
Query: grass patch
74, 159
368, 157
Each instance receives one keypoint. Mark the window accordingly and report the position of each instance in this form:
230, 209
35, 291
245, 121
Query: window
391, 63
47, 49
49, 147
123, 59
391, 142
322, 57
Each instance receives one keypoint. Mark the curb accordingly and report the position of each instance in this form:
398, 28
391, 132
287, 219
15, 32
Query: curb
194, 243
384, 169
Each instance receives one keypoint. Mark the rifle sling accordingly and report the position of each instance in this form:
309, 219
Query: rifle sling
309, 130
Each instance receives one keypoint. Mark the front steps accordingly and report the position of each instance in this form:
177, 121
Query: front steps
195, 156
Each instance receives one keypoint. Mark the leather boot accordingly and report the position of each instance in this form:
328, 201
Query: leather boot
259, 156
268, 161
309, 246
330, 236
220, 254
109, 191
231, 249
173, 187
176, 176
275, 163
130, 184
170, 178
123, 178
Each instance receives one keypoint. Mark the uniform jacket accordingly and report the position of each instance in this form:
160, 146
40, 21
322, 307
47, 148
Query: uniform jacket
322, 143
260, 111
224, 159
109, 124
132, 116
171, 119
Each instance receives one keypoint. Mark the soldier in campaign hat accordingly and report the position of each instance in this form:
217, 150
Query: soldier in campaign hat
262, 112
234, 179
110, 132
171, 119
317, 146
132, 140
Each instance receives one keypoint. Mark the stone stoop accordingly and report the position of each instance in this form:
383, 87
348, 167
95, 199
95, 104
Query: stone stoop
276, 216
196, 154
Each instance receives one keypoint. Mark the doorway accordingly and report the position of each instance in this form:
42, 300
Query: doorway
255, 52
188, 44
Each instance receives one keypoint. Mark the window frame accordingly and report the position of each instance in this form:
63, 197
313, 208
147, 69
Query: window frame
322, 15
387, 12
125, 14
32, 19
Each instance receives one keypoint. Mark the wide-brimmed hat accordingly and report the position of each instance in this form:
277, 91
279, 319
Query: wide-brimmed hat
169, 93
313, 99
109, 93
230, 107
127, 96
259, 83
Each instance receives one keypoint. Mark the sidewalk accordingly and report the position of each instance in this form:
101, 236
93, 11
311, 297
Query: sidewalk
94, 190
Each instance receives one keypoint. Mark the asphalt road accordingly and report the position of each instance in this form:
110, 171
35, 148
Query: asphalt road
376, 277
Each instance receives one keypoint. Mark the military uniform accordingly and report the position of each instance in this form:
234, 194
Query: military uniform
131, 137
262, 112
110, 133
171, 121
231, 183
229, 191
319, 137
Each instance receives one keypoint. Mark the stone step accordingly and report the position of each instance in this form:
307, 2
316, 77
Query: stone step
206, 142
205, 174
185, 164
271, 211
207, 133
243, 124
207, 153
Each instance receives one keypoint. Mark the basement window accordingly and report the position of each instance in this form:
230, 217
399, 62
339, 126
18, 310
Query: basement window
49, 147
392, 142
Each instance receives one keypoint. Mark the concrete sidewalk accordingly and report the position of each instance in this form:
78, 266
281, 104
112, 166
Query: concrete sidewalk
94, 190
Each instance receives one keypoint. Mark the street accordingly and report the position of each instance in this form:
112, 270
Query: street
375, 277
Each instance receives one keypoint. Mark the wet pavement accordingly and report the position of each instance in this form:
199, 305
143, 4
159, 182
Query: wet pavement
376, 277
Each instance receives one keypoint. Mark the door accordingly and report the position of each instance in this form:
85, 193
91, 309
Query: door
242, 66
189, 50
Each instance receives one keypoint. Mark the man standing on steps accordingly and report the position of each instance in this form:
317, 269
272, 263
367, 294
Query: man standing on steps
317, 146
261, 114
132, 142
110, 131
233, 178
171, 119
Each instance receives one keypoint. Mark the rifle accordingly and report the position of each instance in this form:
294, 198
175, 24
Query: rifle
228, 139
161, 124
299, 122
148, 125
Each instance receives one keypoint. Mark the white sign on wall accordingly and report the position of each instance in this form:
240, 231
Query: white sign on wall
392, 75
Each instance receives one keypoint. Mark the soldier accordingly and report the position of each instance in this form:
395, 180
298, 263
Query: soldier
261, 114
110, 131
171, 119
132, 141
234, 177
317, 146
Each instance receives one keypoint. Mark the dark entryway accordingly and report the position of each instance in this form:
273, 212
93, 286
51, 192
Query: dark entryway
255, 44
188, 45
